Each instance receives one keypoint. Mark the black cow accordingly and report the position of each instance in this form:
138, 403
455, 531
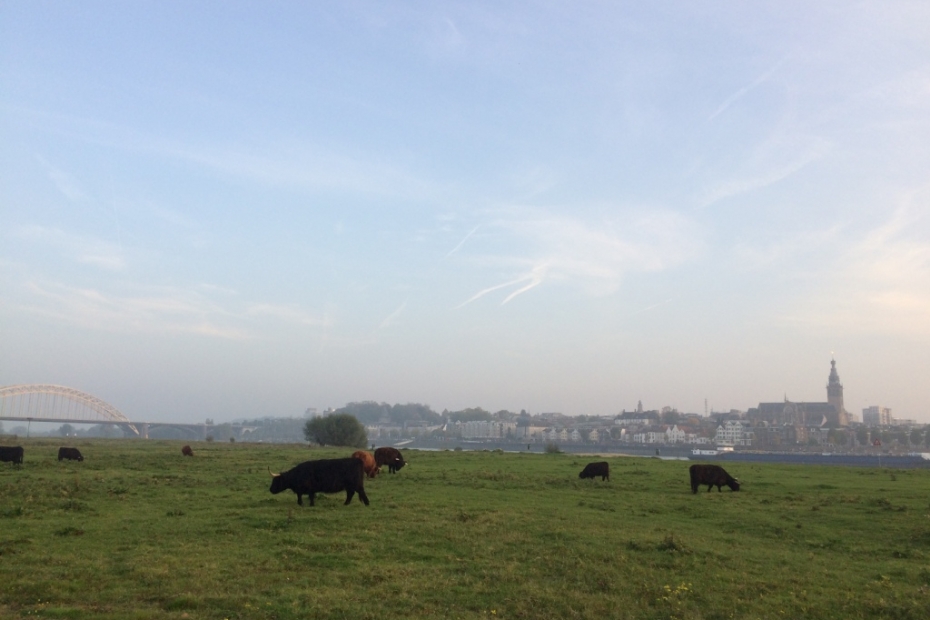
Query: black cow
11, 454
712, 476
72, 454
390, 457
186, 451
323, 476
593, 470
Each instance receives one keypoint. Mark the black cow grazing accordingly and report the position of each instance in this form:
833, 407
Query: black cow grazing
72, 454
593, 470
390, 457
186, 451
11, 454
712, 476
323, 476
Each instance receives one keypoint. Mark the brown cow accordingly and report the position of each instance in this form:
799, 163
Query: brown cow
368, 462
186, 451
390, 457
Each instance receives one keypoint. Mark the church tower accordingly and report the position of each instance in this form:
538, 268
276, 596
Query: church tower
835, 396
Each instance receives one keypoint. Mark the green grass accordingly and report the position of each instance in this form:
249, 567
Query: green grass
138, 531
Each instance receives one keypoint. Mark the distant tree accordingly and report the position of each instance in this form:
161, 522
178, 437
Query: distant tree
862, 436
670, 417
916, 436
505, 416
414, 412
476, 414
368, 411
371, 412
338, 429
552, 448
66, 430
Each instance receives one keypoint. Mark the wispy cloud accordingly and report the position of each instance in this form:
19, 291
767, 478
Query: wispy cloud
742, 92
291, 314
770, 165
531, 279
881, 284
462, 242
389, 319
773, 253
79, 248
275, 162
155, 310
64, 182
653, 306
592, 255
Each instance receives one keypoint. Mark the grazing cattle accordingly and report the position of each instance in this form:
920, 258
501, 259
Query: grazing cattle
72, 454
593, 470
390, 457
323, 476
712, 476
186, 451
368, 463
11, 454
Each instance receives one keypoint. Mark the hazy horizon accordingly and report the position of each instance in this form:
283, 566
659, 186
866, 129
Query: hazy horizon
241, 210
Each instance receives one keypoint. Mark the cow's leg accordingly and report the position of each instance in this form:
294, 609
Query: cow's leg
349, 495
312, 498
300, 500
362, 496
710, 487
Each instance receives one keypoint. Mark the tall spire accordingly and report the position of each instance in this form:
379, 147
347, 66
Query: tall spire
835, 395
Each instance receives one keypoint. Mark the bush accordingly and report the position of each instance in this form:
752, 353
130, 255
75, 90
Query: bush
340, 429
553, 448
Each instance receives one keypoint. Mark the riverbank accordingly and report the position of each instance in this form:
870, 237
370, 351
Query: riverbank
913, 460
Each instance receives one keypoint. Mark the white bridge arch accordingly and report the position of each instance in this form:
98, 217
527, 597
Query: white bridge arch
56, 403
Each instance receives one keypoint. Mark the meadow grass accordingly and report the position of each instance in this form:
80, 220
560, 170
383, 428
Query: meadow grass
138, 531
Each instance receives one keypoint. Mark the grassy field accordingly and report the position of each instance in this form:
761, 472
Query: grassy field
138, 531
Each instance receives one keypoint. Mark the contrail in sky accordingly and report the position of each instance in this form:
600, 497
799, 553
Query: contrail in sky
390, 318
535, 278
462, 242
741, 92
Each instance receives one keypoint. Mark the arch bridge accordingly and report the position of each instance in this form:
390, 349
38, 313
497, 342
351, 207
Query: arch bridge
56, 403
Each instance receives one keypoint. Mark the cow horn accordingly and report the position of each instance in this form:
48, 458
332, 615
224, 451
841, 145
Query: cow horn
273, 475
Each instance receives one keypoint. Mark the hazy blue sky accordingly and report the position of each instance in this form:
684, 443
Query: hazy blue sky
220, 209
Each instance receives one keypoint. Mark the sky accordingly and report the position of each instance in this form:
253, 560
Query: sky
234, 209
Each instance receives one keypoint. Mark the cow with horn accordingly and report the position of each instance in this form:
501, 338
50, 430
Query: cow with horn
322, 476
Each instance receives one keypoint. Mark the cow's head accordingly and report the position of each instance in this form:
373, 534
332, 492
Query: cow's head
277, 483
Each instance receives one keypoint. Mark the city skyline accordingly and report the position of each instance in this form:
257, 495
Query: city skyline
244, 211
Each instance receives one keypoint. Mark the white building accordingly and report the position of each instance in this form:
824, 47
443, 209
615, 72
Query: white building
675, 435
734, 433
649, 437
877, 416
481, 429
